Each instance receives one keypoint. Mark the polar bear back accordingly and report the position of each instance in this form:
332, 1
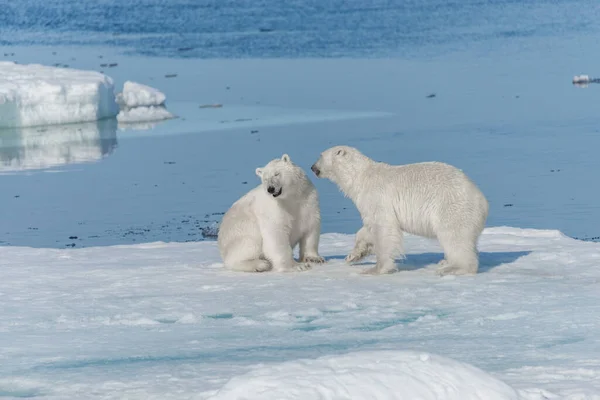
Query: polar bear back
423, 196
240, 224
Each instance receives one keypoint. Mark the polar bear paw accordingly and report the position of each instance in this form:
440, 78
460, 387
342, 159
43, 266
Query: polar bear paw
296, 267
355, 257
313, 259
450, 269
301, 266
262, 266
379, 270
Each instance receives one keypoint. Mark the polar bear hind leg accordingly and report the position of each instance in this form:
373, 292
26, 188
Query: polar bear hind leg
244, 255
460, 255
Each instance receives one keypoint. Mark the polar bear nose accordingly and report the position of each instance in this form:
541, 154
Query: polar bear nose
315, 170
270, 189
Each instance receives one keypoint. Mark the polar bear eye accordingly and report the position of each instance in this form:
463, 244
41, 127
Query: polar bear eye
276, 173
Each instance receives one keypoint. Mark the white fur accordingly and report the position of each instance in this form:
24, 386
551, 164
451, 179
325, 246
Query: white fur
429, 199
259, 232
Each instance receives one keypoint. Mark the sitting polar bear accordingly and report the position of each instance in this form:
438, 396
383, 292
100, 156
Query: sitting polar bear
260, 230
429, 199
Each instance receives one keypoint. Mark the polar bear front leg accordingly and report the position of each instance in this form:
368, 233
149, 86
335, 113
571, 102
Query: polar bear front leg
363, 246
309, 245
388, 243
277, 249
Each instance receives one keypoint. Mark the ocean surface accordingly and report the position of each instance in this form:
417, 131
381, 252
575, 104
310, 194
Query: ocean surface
484, 85
297, 28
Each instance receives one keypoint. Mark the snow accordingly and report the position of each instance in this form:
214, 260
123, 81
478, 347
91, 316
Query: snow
34, 94
369, 375
141, 103
167, 321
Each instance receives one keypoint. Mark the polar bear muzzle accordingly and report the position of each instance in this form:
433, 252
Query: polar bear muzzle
316, 170
271, 190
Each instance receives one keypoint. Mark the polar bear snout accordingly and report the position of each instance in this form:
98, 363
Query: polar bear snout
275, 192
315, 169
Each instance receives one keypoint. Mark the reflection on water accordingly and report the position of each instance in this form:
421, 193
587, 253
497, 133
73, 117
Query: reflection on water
36, 148
138, 126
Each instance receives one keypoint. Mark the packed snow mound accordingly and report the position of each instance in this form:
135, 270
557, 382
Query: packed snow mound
34, 95
141, 103
52, 146
389, 375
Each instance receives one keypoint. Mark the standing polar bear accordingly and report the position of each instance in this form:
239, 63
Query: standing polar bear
429, 199
260, 230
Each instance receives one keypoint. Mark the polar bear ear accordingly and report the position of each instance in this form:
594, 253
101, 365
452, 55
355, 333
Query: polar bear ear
285, 158
259, 172
340, 152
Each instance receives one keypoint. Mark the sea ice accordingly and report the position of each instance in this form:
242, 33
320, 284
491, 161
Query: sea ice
167, 321
581, 79
138, 95
33, 95
36, 95
141, 103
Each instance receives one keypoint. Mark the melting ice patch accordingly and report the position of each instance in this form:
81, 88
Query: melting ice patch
33, 95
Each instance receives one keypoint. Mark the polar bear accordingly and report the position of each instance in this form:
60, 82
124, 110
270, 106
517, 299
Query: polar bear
429, 199
260, 230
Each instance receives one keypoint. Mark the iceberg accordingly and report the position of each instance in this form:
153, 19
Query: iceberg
38, 95
141, 103
138, 95
35, 95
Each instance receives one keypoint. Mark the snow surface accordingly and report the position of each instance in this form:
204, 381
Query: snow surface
370, 376
167, 321
141, 103
34, 94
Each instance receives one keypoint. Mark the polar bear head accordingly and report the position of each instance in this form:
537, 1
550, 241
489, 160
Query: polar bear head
338, 162
281, 177
341, 165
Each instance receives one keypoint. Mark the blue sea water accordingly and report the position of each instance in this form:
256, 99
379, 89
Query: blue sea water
484, 85
297, 28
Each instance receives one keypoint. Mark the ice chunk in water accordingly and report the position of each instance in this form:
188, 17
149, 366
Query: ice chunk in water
141, 103
33, 95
